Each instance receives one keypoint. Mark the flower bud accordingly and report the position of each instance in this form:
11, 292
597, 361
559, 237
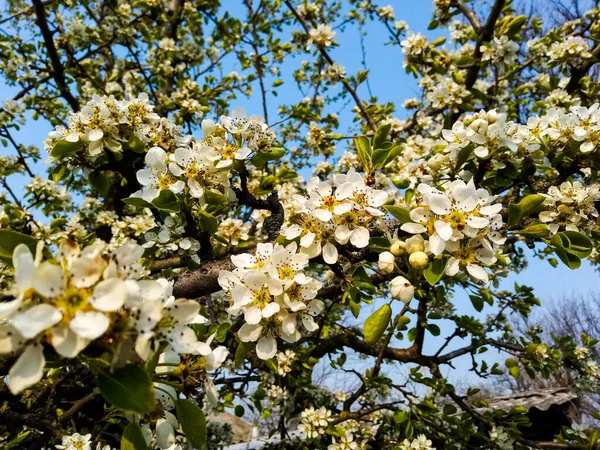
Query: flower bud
386, 262
402, 289
415, 244
398, 248
419, 260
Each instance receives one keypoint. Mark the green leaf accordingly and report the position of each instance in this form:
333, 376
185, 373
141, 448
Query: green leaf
65, 148
261, 158
240, 353
129, 389
239, 411
523, 209
136, 144
462, 156
137, 201
99, 181
376, 324
439, 41
207, 221
402, 214
364, 151
132, 438
477, 302
579, 244
381, 135
193, 423
9, 239
215, 198
538, 230
569, 259
513, 367
166, 201
435, 270
354, 308
433, 329
400, 416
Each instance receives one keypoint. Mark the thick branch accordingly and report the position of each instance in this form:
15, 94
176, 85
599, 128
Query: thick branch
577, 73
272, 224
470, 15
58, 70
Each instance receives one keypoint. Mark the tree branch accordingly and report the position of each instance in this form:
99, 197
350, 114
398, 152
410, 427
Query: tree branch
58, 70
349, 88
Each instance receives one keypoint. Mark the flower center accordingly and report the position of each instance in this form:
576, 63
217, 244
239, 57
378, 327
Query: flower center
286, 272
229, 152
72, 301
164, 181
262, 298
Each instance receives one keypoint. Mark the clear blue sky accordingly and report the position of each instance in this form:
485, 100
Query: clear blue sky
388, 82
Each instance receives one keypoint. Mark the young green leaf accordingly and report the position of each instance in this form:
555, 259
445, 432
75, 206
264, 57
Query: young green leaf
166, 201
132, 438
129, 389
376, 324
193, 423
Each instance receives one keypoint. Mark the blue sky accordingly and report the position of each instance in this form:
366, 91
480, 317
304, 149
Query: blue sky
389, 82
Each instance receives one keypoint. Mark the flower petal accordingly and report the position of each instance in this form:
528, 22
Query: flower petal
89, 325
28, 369
109, 295
36, 319
266, 347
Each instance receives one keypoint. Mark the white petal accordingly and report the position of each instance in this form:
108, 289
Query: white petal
436, 244
360, 237
323, 214
36, 319
253, 315
216, 358
330, 253
89, 325
109, 295
67, 343
444, 229
183, 339
165, 435
24, 267
211, 392
95, 135
439, 203
476, 271
8, 308
28, 369
413, 228
184, 311
266, 347
270, 309
477, 222
309, 323
249, 333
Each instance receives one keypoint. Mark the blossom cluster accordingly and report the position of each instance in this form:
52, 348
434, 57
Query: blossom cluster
463, 222
314, 421
199, 165
571, 207
341, 211
94, 293
270, 289
105, 123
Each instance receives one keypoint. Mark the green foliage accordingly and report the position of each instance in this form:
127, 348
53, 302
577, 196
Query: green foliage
128, 388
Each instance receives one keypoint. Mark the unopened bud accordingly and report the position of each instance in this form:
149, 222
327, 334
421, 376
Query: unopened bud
402, 290
398, 248
415, 244
419, 260
386, 262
